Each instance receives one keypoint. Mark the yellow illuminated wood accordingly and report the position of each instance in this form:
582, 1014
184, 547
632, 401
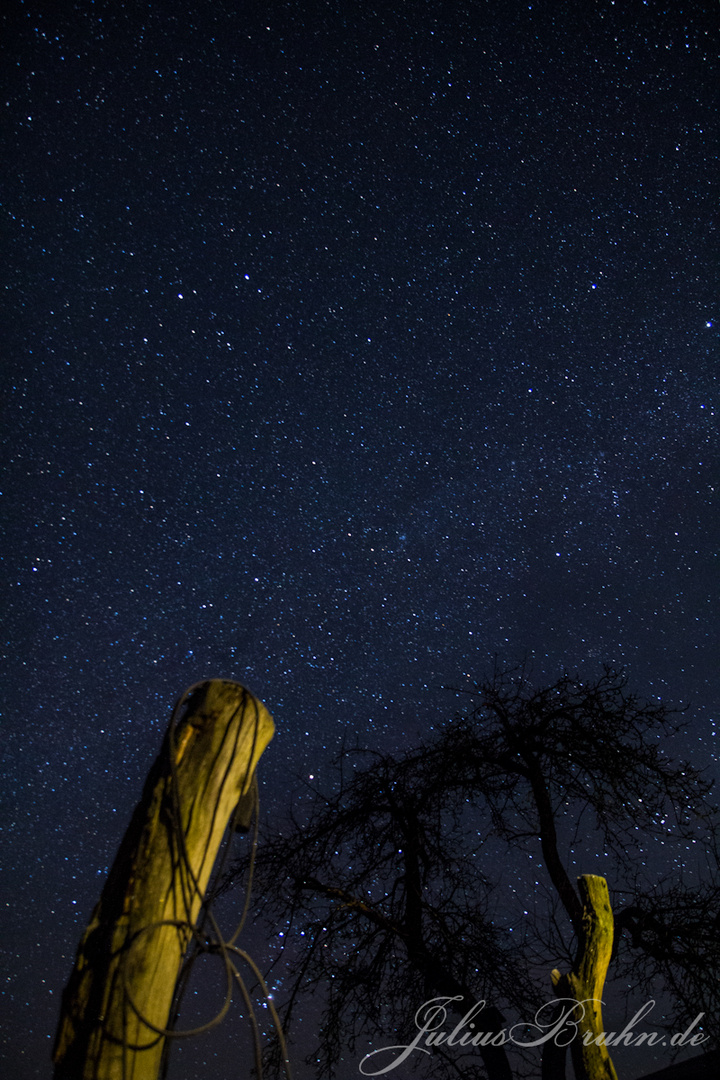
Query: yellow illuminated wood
586, 982
117, 1002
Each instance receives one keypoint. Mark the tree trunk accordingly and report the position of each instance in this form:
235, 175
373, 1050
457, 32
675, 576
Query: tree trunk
116, 1005
585, 983
494, 1058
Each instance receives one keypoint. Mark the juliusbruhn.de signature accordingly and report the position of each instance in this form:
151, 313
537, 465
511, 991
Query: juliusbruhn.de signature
557, 1020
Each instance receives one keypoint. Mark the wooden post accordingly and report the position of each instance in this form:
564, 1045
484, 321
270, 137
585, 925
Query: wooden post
116, 1005
585, 983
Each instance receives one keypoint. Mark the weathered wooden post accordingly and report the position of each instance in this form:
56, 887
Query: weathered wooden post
585, 983
115, 1008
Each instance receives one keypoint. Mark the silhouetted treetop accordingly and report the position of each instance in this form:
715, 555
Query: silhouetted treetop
451, 868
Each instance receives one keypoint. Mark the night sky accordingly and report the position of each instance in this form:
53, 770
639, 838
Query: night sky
345, 347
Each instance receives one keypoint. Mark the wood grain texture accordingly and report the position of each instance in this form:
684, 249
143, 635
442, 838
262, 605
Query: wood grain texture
585, 983
116, 1006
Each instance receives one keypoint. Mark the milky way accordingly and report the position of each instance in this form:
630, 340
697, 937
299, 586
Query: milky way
345, 350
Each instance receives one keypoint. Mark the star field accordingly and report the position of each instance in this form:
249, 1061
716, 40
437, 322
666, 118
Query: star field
345, 349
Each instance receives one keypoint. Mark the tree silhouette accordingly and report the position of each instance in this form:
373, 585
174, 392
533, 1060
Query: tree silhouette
396, 887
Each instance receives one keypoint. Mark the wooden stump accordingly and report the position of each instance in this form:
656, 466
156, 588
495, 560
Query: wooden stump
585, 983
115, 1008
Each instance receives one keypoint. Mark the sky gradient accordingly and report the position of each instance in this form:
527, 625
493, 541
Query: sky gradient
346, 347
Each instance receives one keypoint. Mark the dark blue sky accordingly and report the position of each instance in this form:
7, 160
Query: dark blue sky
345, 348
